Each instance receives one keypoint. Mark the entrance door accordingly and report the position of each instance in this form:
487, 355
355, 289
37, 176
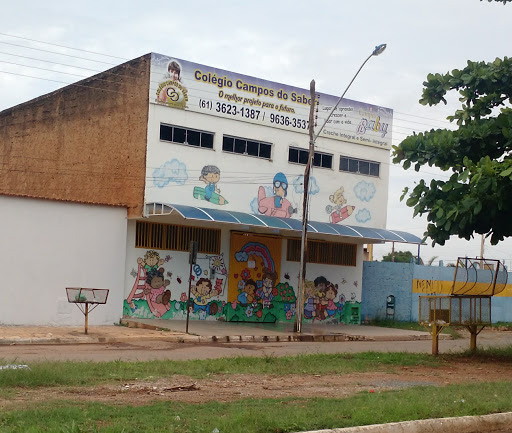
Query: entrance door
254, 270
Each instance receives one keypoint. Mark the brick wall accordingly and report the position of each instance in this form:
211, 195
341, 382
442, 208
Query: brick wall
82, 143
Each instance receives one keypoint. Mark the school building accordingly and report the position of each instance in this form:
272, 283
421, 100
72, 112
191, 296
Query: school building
106, 182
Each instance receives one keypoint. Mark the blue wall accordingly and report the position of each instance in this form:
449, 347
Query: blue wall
381, 279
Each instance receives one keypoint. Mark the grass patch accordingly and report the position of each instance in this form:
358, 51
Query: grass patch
491, 354
411, 326
502, 326
264, 415
91, 373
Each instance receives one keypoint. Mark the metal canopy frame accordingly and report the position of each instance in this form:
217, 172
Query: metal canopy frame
373, 235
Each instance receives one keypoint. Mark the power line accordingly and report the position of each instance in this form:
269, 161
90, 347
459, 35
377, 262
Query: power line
55, 52
62, 46
77, 49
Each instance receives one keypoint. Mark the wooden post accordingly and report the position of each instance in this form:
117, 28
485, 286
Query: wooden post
86, 316
472, 340
435, 339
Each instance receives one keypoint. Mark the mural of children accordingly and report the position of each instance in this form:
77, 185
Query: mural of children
210, 175
151, 261
321, 284
265, 292
338, 212
248, 294
202, 292
155, 287
330, 294
277, 205
310, 307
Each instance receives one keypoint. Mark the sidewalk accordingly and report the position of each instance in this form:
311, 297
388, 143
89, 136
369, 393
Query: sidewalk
201, 332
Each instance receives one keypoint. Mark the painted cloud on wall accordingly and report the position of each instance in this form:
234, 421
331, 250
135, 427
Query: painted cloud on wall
172, 171
363, 216
364, 191
298, 185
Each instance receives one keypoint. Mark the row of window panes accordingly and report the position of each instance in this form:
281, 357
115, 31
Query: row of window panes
246, 147
353, 165
192, 137
300, 156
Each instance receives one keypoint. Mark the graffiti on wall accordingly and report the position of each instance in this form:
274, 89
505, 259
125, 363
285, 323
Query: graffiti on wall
276, 204
337, 210
255, 293
210, 175
155, 294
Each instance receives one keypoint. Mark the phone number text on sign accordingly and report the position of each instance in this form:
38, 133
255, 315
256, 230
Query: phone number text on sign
252, 113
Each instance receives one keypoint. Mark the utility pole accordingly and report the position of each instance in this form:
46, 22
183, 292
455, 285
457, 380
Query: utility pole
305, 208
299, 306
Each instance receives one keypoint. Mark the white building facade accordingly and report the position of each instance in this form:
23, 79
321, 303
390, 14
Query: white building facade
225, 164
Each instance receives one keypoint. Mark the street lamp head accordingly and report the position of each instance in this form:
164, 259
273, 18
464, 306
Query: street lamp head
379, 49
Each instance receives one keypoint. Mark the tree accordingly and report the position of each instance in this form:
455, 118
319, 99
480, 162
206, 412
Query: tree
400, 257
477, 196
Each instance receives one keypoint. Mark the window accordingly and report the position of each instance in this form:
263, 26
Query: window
327, 253
300, 156
245, 146
192, 137
360, 166
176, 238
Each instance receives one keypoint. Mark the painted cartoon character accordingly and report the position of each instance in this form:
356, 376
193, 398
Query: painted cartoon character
151, 261
338, 212
331, 292
248, 293
202, 292
265, 292
210, 175
155, 287
310, 307
277, 205
321, 284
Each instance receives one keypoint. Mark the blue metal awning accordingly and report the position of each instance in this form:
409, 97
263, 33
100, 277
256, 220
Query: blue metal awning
247, 219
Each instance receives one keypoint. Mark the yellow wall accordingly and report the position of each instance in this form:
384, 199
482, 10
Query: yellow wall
260, 251
445, 288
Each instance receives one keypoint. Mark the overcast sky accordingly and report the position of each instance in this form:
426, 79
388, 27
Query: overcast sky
289, 42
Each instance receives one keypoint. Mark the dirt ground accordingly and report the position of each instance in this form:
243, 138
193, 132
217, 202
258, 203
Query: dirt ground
231, 387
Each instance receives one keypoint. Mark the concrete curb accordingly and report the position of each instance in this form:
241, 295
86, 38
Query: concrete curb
464, 424
174, 336
279, 338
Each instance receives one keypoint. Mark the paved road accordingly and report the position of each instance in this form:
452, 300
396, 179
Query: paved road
150, 349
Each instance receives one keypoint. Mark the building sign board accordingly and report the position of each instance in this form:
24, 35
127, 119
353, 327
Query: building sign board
190, 86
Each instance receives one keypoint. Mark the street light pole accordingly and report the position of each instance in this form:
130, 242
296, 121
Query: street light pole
299, 306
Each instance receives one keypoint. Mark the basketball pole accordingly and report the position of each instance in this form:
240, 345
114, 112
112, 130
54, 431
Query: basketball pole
86, 316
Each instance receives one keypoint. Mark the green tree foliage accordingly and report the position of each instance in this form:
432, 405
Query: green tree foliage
477, 198
400, 257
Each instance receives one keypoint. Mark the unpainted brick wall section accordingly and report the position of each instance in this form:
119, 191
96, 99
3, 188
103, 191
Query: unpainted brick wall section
83, 143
